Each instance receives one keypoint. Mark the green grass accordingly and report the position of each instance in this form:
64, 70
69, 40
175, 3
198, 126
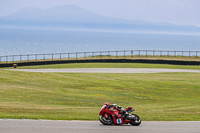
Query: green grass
79, 96
109, 65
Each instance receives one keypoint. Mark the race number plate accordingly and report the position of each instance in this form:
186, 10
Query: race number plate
119, 121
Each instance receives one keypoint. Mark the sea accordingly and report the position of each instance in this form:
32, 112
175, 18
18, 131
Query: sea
38, 41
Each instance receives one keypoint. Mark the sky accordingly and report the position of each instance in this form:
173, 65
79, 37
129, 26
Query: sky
181, 12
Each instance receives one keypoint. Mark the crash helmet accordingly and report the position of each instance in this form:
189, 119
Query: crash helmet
107, 104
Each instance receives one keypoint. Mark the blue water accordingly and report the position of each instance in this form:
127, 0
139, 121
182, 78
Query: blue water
21, 41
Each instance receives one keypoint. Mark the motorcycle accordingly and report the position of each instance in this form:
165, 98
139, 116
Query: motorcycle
110, 114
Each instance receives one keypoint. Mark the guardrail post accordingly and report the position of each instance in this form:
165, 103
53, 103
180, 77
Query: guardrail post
60, 56
84, 54
68, 55
196, 54
44, 56
132, 53
92, 54
146, 53
51, 56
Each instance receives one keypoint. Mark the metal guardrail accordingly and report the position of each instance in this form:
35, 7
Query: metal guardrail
99, 54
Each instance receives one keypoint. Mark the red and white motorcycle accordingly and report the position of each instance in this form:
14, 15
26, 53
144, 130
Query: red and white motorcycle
110, 114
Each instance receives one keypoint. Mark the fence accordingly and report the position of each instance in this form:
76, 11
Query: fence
100, 54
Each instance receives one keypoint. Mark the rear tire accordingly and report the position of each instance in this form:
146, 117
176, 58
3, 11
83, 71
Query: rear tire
103, 120
135, 122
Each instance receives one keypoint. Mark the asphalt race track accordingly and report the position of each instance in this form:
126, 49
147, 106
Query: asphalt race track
108, 70
56, 126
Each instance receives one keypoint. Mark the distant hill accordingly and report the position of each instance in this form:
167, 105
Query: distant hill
71, 16
60, 14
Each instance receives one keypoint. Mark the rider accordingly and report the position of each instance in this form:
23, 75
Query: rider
119, 108
122, 112
107, 104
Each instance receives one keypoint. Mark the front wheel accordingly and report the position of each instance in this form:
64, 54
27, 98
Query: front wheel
136, 121
106, 121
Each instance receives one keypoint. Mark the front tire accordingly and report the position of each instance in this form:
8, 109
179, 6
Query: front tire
106, 121
135, 122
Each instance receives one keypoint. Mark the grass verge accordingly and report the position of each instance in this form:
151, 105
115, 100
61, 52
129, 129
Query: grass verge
79, 96
109, 65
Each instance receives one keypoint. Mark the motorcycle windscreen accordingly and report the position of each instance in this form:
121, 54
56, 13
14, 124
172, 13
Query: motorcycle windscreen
102, 107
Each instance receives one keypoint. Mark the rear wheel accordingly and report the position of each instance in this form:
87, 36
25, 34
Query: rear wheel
136, 121
106, 121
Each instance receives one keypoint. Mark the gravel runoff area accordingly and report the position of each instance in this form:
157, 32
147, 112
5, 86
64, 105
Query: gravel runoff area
56, 126
107, 70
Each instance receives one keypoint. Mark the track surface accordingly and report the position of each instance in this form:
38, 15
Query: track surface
108, 70
48, 126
